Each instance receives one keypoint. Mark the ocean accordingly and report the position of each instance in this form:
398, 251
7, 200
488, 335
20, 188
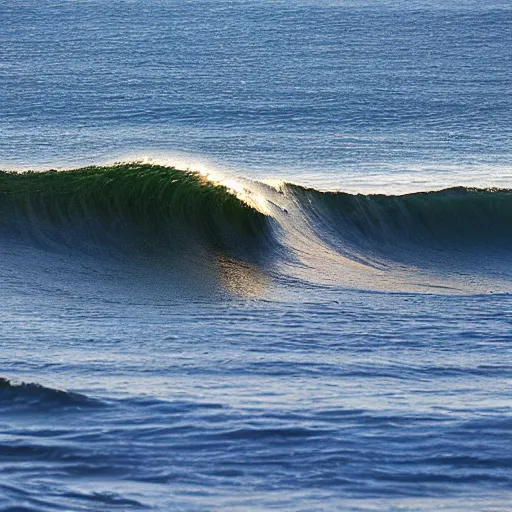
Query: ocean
255, 255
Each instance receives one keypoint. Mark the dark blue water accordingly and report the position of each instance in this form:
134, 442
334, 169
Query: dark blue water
228, 340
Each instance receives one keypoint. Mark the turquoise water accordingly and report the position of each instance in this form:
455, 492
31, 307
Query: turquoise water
292, 292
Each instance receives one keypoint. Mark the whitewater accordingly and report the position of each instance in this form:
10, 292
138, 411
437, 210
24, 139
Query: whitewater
255, 255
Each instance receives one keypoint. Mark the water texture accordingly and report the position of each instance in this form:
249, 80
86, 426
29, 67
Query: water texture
255, 255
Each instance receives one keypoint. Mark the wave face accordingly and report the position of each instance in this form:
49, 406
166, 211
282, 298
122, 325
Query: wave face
143, 202
457, 233
454, 217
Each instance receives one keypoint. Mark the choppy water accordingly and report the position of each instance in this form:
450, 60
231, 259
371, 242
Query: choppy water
229, 337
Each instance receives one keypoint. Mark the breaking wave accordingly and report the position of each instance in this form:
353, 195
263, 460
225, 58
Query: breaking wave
287, 230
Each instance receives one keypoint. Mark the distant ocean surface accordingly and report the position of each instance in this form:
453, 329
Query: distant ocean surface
263, 256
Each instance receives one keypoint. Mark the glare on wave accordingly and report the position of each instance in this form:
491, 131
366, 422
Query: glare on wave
241, 191
209, 171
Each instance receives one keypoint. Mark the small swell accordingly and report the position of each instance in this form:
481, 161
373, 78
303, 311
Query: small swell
25, 395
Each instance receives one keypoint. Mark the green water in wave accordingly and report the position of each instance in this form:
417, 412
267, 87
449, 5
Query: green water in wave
148, 197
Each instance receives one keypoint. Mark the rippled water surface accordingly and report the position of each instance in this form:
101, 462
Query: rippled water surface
204, 327
330, 93
298, 404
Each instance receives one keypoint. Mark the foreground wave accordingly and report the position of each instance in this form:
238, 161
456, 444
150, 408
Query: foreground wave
138, 205
23, 396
